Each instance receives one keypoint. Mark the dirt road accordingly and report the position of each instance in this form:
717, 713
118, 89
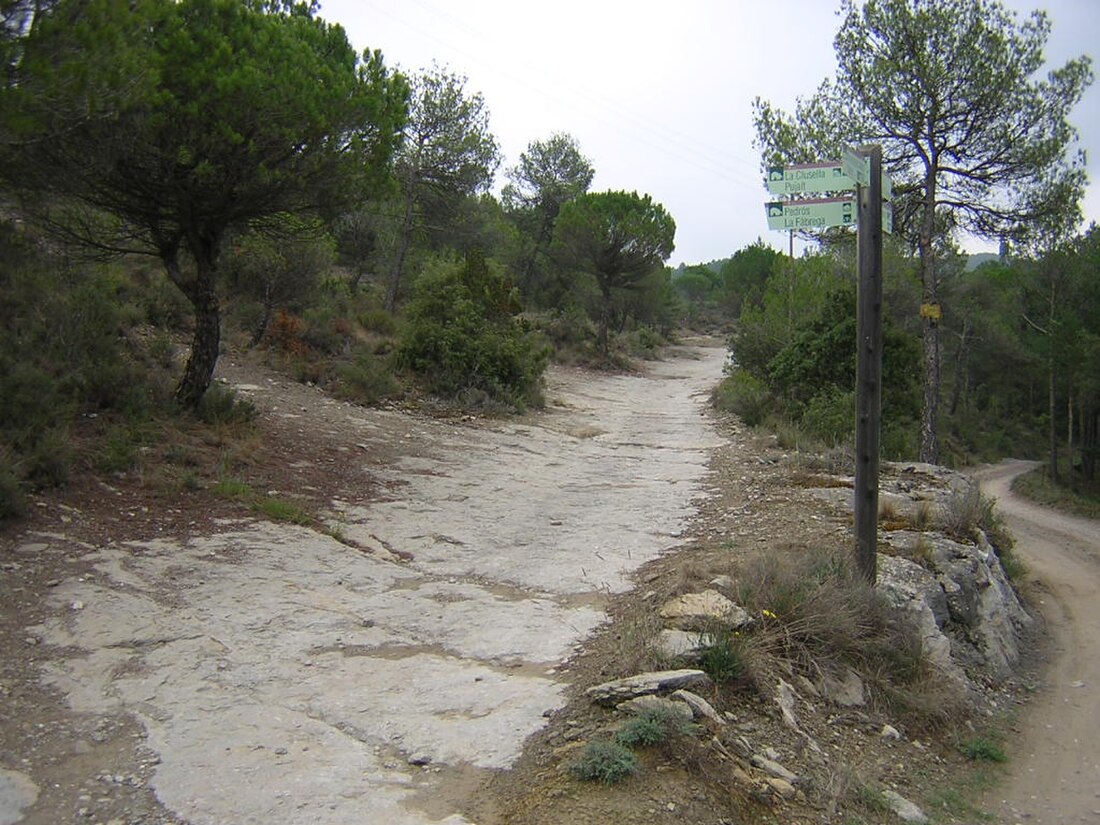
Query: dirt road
1055, 763
279, 675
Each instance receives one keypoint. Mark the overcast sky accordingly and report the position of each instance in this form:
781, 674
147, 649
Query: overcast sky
658, 94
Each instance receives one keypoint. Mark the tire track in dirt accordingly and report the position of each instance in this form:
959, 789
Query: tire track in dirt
1054, 772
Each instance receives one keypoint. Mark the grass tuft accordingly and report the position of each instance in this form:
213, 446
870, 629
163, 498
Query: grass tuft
721, 656
654, 726
983, 749
821, 615
278, 509
234, 488
222, 405
605, 761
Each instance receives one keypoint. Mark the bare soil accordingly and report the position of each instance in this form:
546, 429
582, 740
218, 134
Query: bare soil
101, 767
1054, 767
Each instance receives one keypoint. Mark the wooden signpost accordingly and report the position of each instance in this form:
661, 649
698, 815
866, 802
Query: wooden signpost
868, 365
860, 170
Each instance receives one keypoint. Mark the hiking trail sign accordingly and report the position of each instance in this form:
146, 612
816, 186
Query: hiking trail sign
866, 209
817, 213
837, 176
808, 178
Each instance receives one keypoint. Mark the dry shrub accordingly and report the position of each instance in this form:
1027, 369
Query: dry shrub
890, 516
834, 461
286, 334
922, 516
604, 761
817, 613
966, 511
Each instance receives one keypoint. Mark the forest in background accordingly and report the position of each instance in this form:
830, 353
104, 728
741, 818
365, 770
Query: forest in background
158, 208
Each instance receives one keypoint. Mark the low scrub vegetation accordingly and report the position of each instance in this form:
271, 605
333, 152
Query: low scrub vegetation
463, 336
655, 726
605, 761
818, 613
70, 368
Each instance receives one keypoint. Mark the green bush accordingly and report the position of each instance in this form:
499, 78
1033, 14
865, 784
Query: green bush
119, 449
462, 333
746, 396
379, 322
643, 342
64, 356
326, 330
604, 761
32, 399
829, 416
654, 726
163, 304
366, 380
221, 405
568, 327
12, 503
721, 656
48, 463
983, 749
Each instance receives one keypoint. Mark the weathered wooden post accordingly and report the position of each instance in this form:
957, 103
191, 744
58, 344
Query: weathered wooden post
868, 361
860, 170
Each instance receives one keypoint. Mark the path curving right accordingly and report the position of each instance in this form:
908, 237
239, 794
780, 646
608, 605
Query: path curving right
1054, 772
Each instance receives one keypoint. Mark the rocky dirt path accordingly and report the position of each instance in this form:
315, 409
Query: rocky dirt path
1054, 774
276, 674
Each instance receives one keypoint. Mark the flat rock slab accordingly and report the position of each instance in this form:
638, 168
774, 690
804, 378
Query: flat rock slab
772, 767
905, 810
17, 792
656, 704
701, 611
700, 707
845, 689
678, 643
282, 676
646, 684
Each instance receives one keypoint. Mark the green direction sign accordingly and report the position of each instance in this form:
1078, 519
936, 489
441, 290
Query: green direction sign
811, 214
856, 167
808, 177
887, 216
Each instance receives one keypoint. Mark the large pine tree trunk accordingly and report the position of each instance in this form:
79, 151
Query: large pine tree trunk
602, 342
201, 292
199, 371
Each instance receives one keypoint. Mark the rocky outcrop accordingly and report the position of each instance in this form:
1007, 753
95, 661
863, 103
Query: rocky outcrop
968, 614
700, 611
646, 684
